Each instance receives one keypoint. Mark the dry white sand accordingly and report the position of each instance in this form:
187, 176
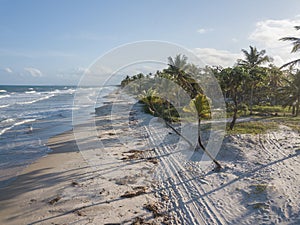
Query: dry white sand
136, 177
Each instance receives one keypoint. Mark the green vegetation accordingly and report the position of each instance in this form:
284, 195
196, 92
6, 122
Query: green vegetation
174, 94
252, 87
260, 188
270, 110
296, 48
253, 127
260, 205
292, 122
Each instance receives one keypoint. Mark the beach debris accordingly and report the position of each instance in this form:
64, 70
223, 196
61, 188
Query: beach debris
79, 213
74, 183
138, 221
112, 224
102, 191
152, 207
32, 200
134, 154
136, 192
152, 160
203, 181
54, 200
127, 180
137, 154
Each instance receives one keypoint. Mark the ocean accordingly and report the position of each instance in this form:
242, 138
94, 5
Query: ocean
30, 115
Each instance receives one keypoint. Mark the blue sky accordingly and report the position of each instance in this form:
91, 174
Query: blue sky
53, 42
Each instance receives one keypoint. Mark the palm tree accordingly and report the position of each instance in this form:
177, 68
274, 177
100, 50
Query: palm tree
296, 48
291, 92
178, 68
253, 59
178, 63
273, 82
232, 81
201, 107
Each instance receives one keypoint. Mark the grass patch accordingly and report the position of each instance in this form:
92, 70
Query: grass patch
252, 127
259, 188
270, 109
260, 205
290, 121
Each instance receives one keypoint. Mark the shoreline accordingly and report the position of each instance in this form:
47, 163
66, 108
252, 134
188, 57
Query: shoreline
60, 186
40, 181
136, 177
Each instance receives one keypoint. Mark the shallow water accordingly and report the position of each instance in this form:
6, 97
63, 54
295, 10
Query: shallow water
30, 115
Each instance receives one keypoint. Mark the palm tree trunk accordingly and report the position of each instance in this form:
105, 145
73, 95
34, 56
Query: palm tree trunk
179, 134
235, 110
251, 99
218, 165
234, 117
293, 111
297, 105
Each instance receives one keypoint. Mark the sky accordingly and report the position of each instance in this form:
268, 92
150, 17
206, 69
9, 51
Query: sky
56, 41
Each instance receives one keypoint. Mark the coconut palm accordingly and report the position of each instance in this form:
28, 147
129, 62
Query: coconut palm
273, 82
178, 68
201, 107
253, 59
296, 48
232, 81
291, 92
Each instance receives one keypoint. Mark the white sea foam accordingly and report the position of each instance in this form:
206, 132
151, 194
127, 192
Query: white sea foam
9, 120
16, 124
3, 91
65, 91
30, 92
4, 96
4, 106
36, 100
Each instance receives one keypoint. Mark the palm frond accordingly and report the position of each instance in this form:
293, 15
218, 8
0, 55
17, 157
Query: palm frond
297, 27
292, 63
296, 46
289, 39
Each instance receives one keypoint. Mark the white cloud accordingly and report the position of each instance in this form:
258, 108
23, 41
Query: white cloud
215, 57
204, 30
234, 40
33, 71
8, 70
267, 34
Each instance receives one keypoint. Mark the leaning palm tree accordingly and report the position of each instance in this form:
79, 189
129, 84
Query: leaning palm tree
296, 48
201, 107
253, 59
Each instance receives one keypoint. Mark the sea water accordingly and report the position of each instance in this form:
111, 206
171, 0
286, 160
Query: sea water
30, 115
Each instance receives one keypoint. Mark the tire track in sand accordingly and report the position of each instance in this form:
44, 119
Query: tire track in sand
193, 207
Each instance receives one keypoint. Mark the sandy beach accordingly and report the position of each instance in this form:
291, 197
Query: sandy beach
136, 179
